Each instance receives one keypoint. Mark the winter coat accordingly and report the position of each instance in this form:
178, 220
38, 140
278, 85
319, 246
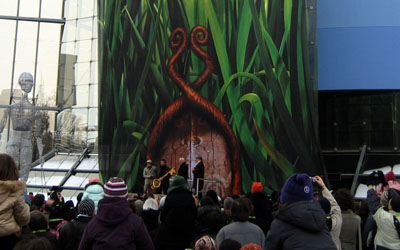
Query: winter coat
150, 219
351, 231
14, 212
336, 216
116, 227
386, 235
198, 173
71, 233
262, 211
300, 225
243, 232
178, 221
183, 170
95, 192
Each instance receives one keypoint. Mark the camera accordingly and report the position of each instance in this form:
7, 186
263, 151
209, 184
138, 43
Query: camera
53, 192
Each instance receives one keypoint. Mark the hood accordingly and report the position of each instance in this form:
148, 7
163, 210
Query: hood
306, 215
113, 210
9, 187
94, 188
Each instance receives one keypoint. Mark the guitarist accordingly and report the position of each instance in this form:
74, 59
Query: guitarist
165, 182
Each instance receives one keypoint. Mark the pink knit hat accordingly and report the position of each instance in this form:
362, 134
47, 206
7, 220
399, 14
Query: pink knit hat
94, 179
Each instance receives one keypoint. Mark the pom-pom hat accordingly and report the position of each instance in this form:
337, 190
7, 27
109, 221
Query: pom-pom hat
115, 187
297, 188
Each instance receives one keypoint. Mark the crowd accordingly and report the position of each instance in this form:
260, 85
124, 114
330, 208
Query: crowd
304, 215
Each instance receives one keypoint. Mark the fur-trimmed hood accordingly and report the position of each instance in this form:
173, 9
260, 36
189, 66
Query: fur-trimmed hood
11, 186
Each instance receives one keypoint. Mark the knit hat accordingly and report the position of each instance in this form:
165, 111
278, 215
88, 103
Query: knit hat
297, 188
205, 243
94, 179
178, 183
390, 176
251, 247
86, 207
115, 187
150, 203
325, 205
257, 187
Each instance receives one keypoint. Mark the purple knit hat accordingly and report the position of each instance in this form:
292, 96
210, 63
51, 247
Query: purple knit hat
297, 188
115, 187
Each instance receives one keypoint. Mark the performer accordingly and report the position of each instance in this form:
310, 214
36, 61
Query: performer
183, 168
198, 173
165, 182
149, 173
23, 115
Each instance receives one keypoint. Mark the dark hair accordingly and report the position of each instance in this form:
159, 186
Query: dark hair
37, 221
229, 244
213, 195
241, 209
163, 160
39, 243
395, 202
38, 200
8, 169
199, 158
344, 198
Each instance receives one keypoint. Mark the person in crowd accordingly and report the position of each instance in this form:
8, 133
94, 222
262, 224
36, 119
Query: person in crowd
261, 214
300, 222
183, 168
57, 216
165, 182
214, 196
385, 193
210, 219
38, 203
138, 207
14, 212
150, 214
149, 173
39, 243
388, 225
40, 228
227, 209
71, 233
198, 173
205, 243
70, 211
333, 211
240, 229
177, 217
115, 225
94, 191
229, 244
350, 235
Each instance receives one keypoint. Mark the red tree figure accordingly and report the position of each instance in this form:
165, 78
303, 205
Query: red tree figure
193, 116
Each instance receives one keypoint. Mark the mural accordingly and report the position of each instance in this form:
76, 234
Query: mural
231, 81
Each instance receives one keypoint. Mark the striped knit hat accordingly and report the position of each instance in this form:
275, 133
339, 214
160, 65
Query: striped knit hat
115, 187
205, 243
86, 207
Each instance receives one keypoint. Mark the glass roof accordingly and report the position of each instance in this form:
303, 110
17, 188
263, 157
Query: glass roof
56, 168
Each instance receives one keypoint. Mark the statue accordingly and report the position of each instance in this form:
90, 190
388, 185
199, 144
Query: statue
23, 115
